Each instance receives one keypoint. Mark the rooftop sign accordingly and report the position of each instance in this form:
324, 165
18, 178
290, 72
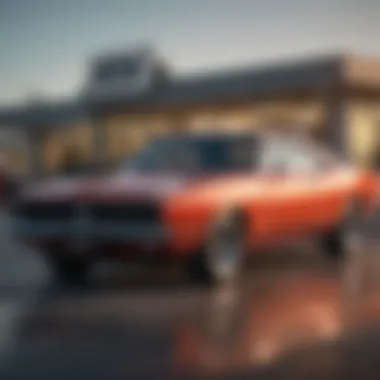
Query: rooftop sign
122, 75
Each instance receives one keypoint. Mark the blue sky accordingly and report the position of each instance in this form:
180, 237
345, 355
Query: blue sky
46, 44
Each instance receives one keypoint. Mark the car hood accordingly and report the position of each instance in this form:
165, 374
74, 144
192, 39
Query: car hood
116, 186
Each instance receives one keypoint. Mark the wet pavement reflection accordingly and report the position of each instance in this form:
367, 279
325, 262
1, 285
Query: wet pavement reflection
290, 315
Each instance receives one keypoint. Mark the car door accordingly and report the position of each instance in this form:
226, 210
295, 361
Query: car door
290, 174
304, 188
328, 182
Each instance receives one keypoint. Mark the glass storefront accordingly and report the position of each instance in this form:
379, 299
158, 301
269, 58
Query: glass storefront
125, 133
364, 134
71, 143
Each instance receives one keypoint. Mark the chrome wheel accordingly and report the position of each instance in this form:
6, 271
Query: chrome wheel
353, 234
225, 249
349, 237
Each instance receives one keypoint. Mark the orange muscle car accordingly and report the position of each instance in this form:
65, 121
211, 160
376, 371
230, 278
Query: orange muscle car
205, 199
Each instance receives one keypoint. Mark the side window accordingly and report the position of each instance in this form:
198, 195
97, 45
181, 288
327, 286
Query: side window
301, 161
312, 158
326, 159
282, 156
274, 157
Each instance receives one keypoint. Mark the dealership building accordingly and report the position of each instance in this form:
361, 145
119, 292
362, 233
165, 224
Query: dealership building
130, 97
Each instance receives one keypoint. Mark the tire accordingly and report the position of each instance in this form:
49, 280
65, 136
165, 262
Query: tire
221, 257
348, 237
69, 271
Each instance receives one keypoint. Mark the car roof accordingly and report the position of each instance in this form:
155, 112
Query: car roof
259, 134
213, 134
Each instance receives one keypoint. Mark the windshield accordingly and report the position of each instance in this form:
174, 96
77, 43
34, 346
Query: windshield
200, 153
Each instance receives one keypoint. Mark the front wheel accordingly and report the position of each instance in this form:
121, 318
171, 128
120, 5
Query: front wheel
221, 257
69, 271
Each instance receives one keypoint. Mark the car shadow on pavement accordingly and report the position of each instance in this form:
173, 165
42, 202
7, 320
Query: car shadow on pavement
130, 280
118, 281
138, 280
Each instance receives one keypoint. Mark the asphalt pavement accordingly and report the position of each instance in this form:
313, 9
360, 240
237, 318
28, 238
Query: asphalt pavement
295, 311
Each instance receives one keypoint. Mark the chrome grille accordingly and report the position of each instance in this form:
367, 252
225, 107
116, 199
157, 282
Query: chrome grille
44, 211
87, 223
126, 213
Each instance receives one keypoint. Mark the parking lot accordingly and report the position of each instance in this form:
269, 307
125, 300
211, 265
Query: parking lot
135, 323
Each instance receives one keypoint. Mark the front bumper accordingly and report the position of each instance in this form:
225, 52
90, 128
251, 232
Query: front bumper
89, 232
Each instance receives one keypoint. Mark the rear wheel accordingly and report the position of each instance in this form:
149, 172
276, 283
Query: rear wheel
220, 260
349, 237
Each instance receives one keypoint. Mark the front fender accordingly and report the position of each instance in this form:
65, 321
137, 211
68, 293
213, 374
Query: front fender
188, 225
189, 222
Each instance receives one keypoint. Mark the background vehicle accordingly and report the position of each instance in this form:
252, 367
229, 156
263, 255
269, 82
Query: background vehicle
202, 199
